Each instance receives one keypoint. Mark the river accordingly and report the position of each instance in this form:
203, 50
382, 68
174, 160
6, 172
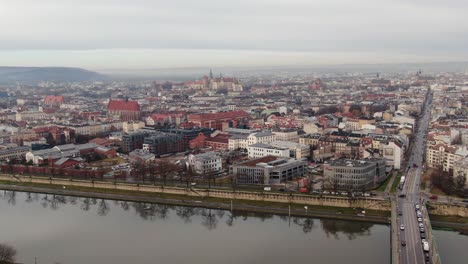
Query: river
71, 230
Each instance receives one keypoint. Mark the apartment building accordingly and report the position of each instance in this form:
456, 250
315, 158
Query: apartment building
444, 156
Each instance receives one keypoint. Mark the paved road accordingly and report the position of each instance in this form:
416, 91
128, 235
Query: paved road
413, 253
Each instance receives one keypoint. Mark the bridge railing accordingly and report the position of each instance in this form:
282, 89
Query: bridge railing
430, 238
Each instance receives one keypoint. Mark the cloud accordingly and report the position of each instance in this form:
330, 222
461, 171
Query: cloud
413, 27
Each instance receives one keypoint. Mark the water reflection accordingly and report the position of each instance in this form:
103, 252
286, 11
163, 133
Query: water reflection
210, 218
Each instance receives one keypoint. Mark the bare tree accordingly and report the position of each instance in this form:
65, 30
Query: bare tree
165, 168
7, 254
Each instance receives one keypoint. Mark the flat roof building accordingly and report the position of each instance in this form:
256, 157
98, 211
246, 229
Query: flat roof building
268, 170
353, 175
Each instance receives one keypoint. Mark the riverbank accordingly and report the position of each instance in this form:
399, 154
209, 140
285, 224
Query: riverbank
292, 209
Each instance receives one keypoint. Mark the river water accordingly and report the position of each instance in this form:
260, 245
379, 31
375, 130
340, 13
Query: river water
69, 230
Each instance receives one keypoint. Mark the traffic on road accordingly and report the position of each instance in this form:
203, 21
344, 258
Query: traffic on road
414, 241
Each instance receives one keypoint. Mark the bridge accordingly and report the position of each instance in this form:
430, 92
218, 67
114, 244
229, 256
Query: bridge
408, 227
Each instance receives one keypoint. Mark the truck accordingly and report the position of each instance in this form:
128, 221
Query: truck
426, 247
402, 182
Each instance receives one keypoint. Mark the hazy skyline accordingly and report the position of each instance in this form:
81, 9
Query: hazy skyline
138, 34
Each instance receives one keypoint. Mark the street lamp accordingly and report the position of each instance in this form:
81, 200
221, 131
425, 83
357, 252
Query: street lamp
306, 208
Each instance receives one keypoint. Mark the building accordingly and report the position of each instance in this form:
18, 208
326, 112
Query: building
204, 163
310, 139
16, 153
160, 143
218, 120
443, 156
97, 129
460, 169
393, 153
131, 126
126, 110
287, 136
45, 156
31, 115
189, 135
296, 150
268, 170
54, 100
353, 175
141, 156
218, 142
312, 127
134, 140
259, 150
244, 140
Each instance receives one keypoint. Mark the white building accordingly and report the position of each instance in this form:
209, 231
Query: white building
243, 140
205, 162
132, 126
284, 149
296, 150
261, 150
312, 128
392, 153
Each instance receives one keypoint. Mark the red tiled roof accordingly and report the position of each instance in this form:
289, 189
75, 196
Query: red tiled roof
123, 105
49, 99
219, 139
220, 115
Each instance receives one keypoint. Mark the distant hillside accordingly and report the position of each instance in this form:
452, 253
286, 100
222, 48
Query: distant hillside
33, 75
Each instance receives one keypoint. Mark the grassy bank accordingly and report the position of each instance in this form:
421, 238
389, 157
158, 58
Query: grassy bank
209, 202
396, 182
449, 219
384, 184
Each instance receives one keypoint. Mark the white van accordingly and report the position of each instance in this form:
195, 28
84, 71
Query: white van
426, 246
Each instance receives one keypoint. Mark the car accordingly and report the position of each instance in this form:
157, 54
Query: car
433, 197
419, 219
402, 195
403, 243
422, 230
423, 235
427, 257
423, 240
400, 213
402, 227
421, 225
417, 206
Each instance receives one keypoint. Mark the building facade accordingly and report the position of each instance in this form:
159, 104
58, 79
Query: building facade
163, 143
126, 110
204, 163
353, 175
268, 170
216, 120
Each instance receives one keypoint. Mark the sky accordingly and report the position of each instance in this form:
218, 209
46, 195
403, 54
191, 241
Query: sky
143, 34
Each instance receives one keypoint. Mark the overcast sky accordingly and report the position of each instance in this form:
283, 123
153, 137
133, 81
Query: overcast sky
142, 34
